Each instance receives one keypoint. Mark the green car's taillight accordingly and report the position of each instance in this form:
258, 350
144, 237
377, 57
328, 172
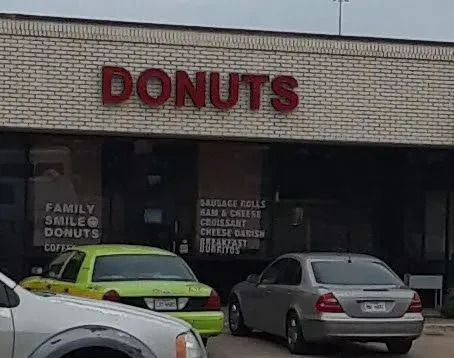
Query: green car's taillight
112, 295
214, 302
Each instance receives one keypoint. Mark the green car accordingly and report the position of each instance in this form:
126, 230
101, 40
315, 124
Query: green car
140, 276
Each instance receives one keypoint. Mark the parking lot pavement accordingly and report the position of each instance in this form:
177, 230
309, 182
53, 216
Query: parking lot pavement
262, 346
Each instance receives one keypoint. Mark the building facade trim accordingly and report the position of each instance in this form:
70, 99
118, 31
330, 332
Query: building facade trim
225, 39
350, 90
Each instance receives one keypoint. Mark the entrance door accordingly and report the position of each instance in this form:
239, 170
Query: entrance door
150, 184
292, 228
150, 198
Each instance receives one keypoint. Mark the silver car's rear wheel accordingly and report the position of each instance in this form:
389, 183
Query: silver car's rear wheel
294, 333
236, 321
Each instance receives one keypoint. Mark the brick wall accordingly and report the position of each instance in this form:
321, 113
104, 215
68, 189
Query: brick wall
350, 90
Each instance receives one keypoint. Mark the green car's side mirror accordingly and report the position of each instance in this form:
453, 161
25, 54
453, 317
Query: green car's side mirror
36, 271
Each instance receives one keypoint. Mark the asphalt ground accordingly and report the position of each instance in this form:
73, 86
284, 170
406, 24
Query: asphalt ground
440, 345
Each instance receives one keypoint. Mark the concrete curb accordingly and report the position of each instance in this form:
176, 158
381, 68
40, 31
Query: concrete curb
438, 328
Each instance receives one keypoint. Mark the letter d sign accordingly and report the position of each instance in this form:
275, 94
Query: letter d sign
108, 74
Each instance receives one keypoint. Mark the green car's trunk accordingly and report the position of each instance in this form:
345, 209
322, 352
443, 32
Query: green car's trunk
166, 296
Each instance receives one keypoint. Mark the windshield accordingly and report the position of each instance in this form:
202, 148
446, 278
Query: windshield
353, 273
141, 267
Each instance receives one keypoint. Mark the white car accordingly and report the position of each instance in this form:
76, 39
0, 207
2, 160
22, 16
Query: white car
44, 325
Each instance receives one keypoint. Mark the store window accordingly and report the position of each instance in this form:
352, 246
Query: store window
435, 225
439, 175
64, 192
451, 226
234, 206
13, 173
326, 199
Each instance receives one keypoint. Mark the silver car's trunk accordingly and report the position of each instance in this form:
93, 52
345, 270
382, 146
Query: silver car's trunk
372, 301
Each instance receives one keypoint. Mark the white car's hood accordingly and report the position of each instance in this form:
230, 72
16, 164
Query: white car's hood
106, 310
38, 317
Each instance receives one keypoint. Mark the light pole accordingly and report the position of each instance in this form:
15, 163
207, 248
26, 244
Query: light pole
341, 3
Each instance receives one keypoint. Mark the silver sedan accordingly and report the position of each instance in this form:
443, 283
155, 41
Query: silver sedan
314, 297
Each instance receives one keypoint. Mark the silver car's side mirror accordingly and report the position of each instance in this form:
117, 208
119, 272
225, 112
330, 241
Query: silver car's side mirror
36, 270
254, 279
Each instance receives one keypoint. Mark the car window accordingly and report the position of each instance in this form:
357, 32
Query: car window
132, 267
4, 302
353, 273
271, 274
291, 275
53, 271
72, 268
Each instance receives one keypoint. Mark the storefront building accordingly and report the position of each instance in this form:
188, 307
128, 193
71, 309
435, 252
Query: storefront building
229, 147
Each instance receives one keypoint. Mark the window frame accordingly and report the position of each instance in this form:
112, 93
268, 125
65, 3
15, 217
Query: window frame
278, 261
8, 298
58, 275
76, 252
377, 262
299, 267
4, 300
94, 259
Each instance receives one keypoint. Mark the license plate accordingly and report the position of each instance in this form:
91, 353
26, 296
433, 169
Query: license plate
374, 307
165, 304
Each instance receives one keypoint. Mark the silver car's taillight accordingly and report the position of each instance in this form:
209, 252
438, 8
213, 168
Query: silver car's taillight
415, 305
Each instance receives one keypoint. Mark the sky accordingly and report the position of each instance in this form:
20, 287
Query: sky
403, 19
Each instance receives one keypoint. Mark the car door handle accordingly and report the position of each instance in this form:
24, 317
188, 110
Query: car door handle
268, 291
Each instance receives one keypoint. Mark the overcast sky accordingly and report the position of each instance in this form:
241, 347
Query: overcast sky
414, 19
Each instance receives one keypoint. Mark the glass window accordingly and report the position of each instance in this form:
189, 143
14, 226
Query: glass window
141, 267
65, 192
435, 233
271, 274
234, 201
413, 221
451, 225
6, 194
292, 274
73, 266
56, 265
4, 302
353, 273
13, 172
